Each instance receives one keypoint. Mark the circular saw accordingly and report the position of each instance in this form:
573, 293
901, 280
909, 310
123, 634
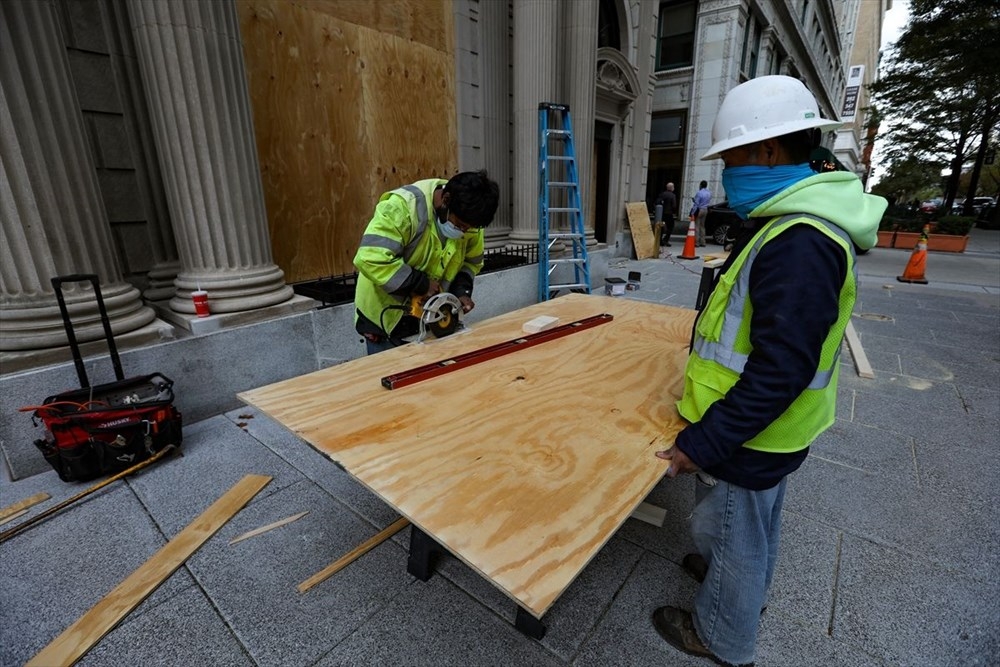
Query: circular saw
439, 315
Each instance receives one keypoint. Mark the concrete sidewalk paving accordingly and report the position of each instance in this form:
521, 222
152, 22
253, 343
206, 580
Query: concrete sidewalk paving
890, 550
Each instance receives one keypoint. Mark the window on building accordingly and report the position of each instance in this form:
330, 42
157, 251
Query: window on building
777, 60
675, 38
666, 129
666, 153
751, 48
608, 30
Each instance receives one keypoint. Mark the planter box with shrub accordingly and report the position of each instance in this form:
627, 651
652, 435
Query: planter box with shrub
949, 234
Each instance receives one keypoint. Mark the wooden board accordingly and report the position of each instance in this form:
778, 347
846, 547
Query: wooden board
22, 505
78, 638
642, 233
523, 467
861, 364
350, 98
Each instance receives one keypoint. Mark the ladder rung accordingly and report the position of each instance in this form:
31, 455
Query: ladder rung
561, 184
560, 133
569, 286
570, 260
565, 235
559, 157
563, 210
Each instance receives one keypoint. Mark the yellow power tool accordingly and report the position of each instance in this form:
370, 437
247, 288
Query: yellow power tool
437, 314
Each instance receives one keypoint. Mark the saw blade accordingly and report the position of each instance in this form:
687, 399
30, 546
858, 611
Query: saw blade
446, 324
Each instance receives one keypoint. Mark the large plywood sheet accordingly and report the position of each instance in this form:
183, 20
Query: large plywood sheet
642, 233
350, 99
523, 466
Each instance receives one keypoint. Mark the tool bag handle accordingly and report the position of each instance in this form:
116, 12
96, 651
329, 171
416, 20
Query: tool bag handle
74, 346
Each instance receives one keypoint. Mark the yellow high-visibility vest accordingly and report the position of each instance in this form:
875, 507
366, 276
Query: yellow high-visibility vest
722, 346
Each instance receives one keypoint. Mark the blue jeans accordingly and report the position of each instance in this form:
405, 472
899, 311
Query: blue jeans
737, 531
381, 346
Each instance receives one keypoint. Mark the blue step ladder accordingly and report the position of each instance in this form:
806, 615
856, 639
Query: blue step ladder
558, 181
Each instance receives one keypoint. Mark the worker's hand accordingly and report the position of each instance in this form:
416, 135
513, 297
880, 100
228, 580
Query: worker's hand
433, 288
680, 464
467, 303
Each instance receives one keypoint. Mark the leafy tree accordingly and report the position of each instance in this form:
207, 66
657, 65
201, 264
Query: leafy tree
906, 180
938, 92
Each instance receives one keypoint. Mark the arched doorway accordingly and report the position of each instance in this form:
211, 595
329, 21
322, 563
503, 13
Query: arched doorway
616, 86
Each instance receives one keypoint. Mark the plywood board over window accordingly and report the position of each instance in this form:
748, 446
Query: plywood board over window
350, 99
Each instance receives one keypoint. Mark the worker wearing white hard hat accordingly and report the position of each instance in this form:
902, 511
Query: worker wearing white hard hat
761, 379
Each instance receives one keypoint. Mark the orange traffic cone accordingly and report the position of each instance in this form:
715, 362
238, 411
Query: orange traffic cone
914, 271
689, 241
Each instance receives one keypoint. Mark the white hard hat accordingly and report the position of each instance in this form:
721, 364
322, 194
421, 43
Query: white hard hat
763, 108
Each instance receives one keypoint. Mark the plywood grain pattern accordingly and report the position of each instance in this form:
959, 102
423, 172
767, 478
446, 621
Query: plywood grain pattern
427, 22
341, 114
409, 108
523, 466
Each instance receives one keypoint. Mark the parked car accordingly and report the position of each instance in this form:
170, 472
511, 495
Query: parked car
931, 205
978, 204
719, 222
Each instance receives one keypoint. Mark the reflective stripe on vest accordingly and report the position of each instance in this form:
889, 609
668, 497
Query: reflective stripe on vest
421, 203
723, 351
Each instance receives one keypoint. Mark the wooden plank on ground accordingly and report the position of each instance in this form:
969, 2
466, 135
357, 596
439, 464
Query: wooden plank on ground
527, 487
80, 637
23, 504
642, 233
861, 364
650, 514
355, 553
11, 517
271, 526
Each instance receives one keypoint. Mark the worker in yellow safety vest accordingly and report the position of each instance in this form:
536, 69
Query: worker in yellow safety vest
424, 238
761, 380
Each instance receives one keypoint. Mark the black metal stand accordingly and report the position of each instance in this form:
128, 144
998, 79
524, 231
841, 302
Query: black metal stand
704, 287
528, 624
423, 554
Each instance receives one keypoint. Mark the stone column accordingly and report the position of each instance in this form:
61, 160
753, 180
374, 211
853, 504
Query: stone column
166, 263
53, 218
495, 56
535, 59
580, 73
192, 69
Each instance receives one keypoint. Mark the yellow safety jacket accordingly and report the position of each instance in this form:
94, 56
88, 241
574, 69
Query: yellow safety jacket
722, 346
403, 236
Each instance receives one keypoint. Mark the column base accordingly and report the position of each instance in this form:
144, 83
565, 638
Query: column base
202, 325
156, 331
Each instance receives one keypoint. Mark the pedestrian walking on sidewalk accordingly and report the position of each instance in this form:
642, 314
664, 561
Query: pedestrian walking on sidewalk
761, 379
668, 200
699, 211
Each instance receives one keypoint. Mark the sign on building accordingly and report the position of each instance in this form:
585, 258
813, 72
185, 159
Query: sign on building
854, 80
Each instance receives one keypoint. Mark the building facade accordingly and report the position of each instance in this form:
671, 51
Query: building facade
154, 142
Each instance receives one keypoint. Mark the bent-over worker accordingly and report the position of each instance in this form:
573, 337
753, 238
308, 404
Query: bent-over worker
761, 379
423, 238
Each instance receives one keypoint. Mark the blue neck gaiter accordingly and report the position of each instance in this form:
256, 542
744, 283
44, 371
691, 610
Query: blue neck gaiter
750, 186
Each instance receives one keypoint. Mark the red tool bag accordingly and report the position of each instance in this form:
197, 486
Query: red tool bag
108, 428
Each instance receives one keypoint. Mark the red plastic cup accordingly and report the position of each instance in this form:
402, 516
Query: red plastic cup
200, 298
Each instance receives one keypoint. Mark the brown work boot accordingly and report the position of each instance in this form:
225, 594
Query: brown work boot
696, 566
676, 627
